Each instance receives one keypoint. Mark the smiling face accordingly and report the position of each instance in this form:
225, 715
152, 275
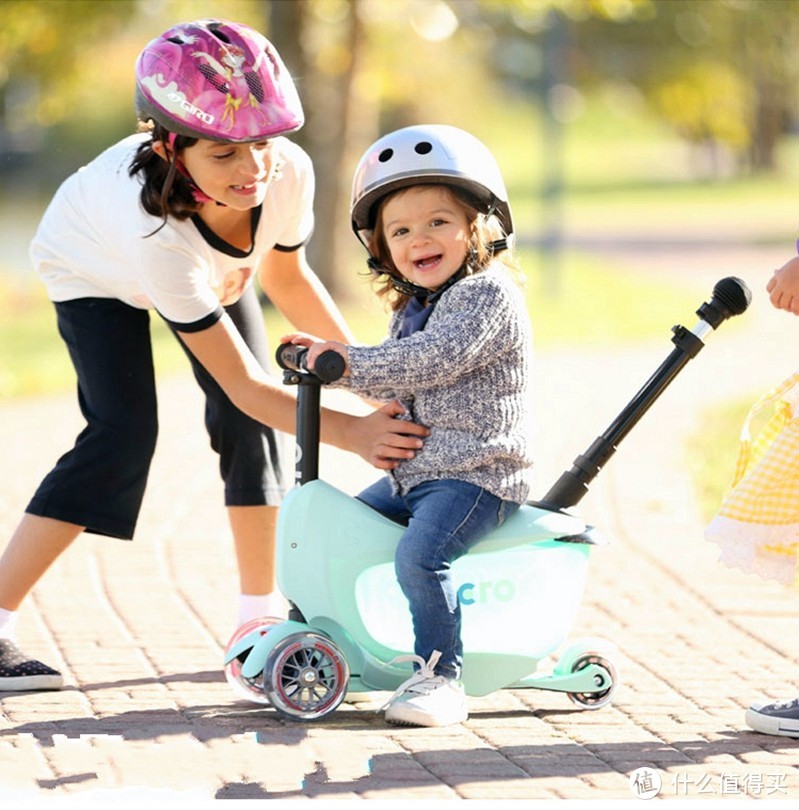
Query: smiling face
234, 174
427, 232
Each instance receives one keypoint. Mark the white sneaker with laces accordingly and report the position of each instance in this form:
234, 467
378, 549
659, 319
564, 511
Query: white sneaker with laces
780, 718
427, 699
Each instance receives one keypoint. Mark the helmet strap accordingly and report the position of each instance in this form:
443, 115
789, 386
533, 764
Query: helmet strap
498, 245
199, 195
399, 284
406, 287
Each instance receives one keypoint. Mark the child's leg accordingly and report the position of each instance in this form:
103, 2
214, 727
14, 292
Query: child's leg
449, 517
99, 483
253, 530
381, 498
252, 466
34, 546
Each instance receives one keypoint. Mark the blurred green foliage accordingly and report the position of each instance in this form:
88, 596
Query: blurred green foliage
722, 73
714, 451
611, 119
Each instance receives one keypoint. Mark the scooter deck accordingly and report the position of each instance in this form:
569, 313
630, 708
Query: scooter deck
519, 588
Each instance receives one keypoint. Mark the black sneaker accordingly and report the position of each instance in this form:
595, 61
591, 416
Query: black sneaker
775, 718
18, 673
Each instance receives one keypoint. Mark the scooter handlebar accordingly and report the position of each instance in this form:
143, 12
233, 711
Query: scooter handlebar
329, 366
731, 297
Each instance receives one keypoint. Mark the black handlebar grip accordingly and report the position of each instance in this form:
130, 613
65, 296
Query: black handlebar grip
330, 365
289, 356
731, 297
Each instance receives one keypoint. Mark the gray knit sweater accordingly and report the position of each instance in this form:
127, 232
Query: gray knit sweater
466, 376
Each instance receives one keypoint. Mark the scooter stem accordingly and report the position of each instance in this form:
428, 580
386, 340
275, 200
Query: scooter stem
308, 399
730, 297
328, 368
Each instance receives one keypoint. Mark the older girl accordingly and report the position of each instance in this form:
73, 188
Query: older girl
179, 219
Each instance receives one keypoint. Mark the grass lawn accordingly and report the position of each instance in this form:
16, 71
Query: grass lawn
595, 303
714, 450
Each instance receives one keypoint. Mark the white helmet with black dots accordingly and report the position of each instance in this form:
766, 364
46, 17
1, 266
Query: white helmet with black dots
434, 153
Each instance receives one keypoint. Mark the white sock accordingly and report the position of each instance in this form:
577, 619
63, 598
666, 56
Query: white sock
261, 605
8, 624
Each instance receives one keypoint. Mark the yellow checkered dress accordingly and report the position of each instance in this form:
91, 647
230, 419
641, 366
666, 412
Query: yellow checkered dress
757, 526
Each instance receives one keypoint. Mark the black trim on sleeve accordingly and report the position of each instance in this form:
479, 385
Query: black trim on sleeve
197, 326
292, 248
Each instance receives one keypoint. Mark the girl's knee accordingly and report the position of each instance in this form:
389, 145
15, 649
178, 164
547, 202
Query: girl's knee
133, 444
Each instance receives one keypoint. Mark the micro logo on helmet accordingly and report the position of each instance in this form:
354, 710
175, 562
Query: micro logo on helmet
181, 101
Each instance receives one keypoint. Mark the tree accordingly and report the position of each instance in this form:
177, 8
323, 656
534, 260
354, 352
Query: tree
43, 47
722, 72
322, 44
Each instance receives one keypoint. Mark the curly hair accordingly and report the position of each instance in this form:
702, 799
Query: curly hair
485, 230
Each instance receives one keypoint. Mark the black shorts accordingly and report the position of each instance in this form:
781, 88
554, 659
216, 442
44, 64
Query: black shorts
100, 482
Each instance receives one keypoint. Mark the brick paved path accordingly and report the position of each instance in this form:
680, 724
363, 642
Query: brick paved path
138, 629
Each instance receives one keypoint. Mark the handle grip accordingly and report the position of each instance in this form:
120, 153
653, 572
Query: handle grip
329, 366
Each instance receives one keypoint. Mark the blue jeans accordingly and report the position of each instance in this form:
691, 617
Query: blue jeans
444, 520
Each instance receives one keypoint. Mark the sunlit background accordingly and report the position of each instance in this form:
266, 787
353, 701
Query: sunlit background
623, 128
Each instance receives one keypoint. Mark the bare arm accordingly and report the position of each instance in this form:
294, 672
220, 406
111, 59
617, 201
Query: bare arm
294, 288
378, 438
226, 357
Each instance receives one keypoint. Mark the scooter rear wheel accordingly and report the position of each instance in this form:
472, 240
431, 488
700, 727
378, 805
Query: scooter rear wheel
603, 696
306, 676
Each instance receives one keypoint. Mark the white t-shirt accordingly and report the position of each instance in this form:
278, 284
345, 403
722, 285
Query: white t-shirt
93, 240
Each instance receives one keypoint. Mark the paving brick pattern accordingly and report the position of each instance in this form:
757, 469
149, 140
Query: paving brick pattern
139, 628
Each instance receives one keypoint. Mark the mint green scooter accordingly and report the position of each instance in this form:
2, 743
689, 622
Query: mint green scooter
520, 587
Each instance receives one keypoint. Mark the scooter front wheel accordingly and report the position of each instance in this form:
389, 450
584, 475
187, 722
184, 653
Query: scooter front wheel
306, 676
606, 682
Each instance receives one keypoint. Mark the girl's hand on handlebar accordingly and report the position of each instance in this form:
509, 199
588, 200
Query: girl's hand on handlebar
300, 339
316, 347
385, 441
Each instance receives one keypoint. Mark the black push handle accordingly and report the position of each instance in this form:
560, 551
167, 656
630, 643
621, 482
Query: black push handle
329, 366
731, 297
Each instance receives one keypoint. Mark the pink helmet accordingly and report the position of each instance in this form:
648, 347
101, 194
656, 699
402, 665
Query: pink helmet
217, 80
